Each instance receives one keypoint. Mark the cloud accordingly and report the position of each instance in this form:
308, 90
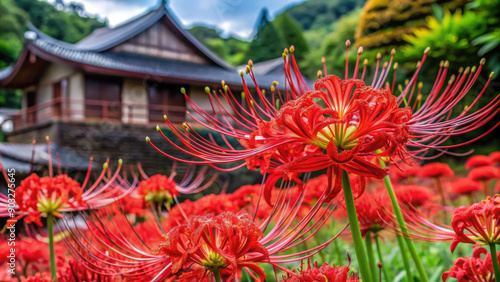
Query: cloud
237, 17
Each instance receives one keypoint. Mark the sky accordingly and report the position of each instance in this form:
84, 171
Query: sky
232, 17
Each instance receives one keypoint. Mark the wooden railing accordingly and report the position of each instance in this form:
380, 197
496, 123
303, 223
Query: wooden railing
66, 109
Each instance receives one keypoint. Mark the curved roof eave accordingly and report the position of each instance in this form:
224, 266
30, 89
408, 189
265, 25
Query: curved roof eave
8, 73
131, 29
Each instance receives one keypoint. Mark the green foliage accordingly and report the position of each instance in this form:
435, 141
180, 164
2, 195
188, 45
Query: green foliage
318, 18
66, 25
12, 22
333, 47
449, 38
231, 49
490, 46
292, 34
204, 33
11, 99
316, 14
267, 43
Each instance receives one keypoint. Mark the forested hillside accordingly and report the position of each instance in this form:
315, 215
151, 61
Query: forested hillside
66, 22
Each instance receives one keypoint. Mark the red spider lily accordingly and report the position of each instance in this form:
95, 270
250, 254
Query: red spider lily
338, 125
478, 223
208, 244
404, 171
70, 271
433, 121
214, 204
436, 170
371, 215
484, 173
31, 255
325, 273
38, 196
472, 268
159, 190
188, 185
495, 158
413, 196
73, 271
478, 161
38, 277
106, 248
475, 224
465, 186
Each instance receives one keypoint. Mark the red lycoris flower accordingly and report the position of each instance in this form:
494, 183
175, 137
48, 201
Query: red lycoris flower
465, 186
213, 204
114, 247
38, 197
413, 195
478, 223
214, 243
339, 125
336, 126
403, 171
349, 121
436, 170
158, 188
371, 216
477, 161
495, 158
38, 277
484, 173
325, 273
472, 268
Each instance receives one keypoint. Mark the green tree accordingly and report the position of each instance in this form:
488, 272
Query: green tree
267, 43
68, 26
292, 34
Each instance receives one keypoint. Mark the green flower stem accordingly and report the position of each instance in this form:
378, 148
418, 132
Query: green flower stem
494, 260
406, 259
401, 221
355, 231
381, 258
335, 244
337, 252
369, 252
217, 276
50, 230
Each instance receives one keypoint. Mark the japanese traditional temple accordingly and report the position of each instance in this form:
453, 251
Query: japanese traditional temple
103, 95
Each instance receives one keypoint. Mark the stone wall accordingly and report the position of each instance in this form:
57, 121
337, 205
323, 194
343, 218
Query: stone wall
114, 141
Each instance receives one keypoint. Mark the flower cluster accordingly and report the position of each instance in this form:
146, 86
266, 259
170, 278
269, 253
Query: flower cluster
325, 273
208, 244
472, 268
157, 189
478, 223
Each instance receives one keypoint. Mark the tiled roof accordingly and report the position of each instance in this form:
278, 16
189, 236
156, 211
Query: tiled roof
94, 51
173, 69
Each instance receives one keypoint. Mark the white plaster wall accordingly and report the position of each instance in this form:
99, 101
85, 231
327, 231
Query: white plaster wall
44, 95
135, 101
53, 73
76, 94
